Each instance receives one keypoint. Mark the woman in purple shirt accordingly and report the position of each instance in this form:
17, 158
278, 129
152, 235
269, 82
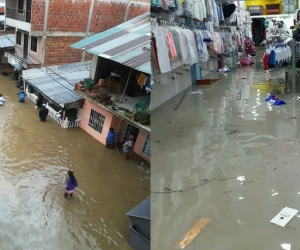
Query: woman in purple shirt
71, 184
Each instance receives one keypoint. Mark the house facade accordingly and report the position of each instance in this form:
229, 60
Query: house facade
45, 29
120, 75
97, 119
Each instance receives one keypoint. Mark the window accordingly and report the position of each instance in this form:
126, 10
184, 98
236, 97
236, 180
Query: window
19, 37
96, 121
20, 6
33, 46
147, 147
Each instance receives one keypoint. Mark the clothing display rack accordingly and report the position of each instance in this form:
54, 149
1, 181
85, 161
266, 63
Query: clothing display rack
183, 35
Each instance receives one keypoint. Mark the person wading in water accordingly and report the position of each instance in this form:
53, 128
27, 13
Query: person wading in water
111, 138
2, 101
43, 113
21, 95
71, 184
127, 147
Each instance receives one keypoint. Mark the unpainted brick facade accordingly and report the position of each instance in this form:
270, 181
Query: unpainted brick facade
72, 16
58, 51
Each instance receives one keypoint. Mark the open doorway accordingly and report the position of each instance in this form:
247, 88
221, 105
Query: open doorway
129, 130
258, 30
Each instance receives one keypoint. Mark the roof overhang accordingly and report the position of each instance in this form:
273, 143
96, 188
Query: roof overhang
127, 44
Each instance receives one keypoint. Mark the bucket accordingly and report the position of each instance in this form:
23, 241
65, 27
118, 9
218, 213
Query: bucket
88, 83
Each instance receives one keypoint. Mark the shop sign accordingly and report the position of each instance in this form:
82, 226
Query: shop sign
13, 61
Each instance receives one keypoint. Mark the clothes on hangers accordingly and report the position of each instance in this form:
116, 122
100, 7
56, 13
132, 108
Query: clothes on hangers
162, 52
148, 84
141, 80
277, 55
154, 60
176, 46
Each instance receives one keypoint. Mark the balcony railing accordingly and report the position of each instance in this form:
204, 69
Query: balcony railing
18, 14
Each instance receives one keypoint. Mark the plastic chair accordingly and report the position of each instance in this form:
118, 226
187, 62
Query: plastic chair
142, 105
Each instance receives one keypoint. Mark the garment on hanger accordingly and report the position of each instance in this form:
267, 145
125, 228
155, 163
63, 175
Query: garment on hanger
215, 17
148, 84
154, 60
162, 50
141, 80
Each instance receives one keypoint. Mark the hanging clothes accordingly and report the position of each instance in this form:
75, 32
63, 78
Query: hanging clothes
141, 80
162, 50
154, 60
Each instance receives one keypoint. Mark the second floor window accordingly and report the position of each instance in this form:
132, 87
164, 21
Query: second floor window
19, 37
33, 46
20, 6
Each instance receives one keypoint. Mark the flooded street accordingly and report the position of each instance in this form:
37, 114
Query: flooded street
231, 158
34, 159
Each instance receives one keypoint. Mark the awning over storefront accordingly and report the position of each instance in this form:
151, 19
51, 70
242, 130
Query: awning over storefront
18, 61
57, 83
7, 41
127, 44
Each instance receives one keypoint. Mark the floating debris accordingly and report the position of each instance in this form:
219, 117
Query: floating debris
232, 132
192, 234
284, 216
240, 222
249, 181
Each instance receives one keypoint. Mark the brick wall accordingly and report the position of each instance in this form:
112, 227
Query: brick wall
103, 18
68, 15
37, 15
72, 16
58, 51
11, 4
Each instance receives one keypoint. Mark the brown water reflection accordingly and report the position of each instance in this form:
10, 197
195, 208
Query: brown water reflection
34, 158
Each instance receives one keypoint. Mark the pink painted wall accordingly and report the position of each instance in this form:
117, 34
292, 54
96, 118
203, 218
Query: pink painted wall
111, 121
84, 123
139, 144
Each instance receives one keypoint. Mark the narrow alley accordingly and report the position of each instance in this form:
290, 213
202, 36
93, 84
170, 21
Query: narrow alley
34, 159
228, 156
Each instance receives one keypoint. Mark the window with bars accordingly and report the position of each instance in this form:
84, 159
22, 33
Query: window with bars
19, 38
96, 121
147, 147
33, 46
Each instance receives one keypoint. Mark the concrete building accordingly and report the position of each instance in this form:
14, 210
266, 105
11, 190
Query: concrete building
45, 29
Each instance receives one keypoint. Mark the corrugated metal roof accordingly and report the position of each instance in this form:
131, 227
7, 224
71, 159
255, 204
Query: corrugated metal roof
58, 88
7, 41
127, 43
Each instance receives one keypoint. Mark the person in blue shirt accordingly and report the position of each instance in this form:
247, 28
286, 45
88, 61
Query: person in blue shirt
111, 138
21, 95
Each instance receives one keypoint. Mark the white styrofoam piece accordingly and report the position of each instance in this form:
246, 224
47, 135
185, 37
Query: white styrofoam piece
284, 216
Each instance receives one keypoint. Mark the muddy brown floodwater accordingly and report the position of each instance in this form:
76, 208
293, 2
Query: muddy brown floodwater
34, 159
